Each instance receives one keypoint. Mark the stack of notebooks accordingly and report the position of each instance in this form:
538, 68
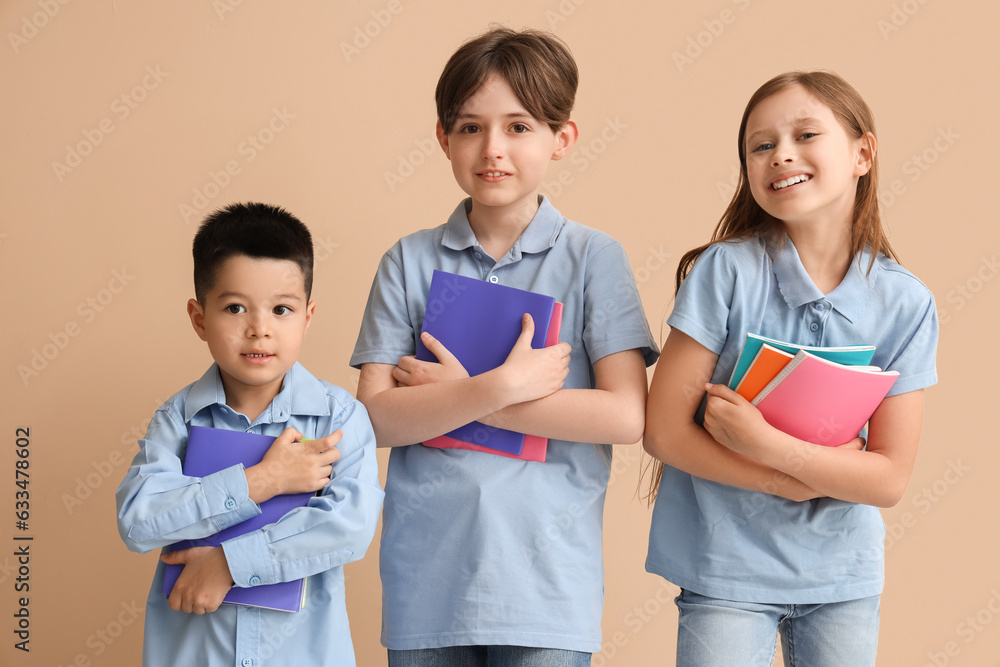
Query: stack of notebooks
479, 322
823, 395
210, 450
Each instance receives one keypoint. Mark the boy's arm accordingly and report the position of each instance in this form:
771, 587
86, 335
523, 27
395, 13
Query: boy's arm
336, 527
159, 505
404, 415
612, 412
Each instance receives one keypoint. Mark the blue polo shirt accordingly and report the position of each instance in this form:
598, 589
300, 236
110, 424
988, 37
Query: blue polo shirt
159, 505
735, 544
483, 549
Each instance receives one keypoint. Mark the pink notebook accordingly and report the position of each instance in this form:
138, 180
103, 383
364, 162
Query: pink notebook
535, 447
821, 401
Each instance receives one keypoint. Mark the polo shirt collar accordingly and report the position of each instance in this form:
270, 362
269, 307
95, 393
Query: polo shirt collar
849, 298
539, 236
301, 394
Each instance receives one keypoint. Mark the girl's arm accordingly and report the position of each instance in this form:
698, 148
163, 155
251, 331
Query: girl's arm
876, 476
411, 406
673, 437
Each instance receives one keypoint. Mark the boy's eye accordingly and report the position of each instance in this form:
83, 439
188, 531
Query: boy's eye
235, 309
282, 310
469, 129
519, 128
807, 135
763, 147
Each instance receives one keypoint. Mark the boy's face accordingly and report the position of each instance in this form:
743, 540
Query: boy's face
499, 152
254, 320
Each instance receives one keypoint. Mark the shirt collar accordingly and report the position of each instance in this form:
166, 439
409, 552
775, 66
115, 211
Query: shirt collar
540, 235
849, 298
301, 394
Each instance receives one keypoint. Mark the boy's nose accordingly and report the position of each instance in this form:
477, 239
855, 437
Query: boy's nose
492, 146
259, 327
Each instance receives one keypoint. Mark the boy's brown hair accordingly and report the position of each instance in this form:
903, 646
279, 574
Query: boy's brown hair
537, 65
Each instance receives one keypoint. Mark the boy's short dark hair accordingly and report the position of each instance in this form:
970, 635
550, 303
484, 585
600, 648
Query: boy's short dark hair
537, 65
253, 230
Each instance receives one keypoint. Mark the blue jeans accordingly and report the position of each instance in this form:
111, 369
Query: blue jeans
488, 656
722, 633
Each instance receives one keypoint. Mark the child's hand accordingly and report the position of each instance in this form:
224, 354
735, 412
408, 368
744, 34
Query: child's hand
733, 421
532, 374
204, 581
410, 371
290, 466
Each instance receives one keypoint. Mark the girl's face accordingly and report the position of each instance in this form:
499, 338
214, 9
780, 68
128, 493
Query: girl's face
802, 167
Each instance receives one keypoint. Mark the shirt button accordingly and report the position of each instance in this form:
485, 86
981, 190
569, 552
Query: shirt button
814, 327
479, 255
820, 306
230, 504
247, 662
255, 580
494, 280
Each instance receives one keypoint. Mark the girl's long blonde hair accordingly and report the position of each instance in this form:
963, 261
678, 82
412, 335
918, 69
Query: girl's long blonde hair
744, 218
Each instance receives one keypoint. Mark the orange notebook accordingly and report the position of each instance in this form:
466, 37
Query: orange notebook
764, 367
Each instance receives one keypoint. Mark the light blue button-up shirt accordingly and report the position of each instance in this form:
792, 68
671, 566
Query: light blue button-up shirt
731, 543
482, 549
158, 505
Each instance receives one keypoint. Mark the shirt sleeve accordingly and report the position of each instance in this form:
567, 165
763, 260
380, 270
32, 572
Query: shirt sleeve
336, 527
614, 320
701, 309
387, 332
915, 354
159, 505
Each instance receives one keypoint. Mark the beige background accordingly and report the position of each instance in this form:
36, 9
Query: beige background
146, 105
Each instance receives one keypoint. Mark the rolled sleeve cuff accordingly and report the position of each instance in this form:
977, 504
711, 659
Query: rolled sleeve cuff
249, 559
228, 497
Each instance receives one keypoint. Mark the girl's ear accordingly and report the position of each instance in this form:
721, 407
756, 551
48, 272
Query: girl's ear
566, 137
867, 150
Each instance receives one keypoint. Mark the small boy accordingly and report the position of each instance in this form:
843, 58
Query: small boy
253, 266
486, 559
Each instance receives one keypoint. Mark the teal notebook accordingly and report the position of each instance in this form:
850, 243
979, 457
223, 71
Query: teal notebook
850, 355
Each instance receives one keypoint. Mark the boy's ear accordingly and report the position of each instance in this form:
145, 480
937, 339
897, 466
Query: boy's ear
197, 315
867, 149
443, 140
310, 310
566, 138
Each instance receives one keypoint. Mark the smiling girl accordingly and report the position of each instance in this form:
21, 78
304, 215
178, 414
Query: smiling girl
766, 534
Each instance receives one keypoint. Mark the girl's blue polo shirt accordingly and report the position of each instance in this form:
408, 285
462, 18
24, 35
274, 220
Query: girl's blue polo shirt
735, 544
483, 549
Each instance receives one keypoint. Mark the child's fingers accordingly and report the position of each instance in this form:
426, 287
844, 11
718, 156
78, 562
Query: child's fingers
290, 435
527, 331
723, 392
437, 348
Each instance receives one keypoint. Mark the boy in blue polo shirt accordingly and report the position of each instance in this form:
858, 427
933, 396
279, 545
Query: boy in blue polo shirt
253, 279
486, 559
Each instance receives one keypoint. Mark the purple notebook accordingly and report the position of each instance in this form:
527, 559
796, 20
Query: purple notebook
210, 450
479, 322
